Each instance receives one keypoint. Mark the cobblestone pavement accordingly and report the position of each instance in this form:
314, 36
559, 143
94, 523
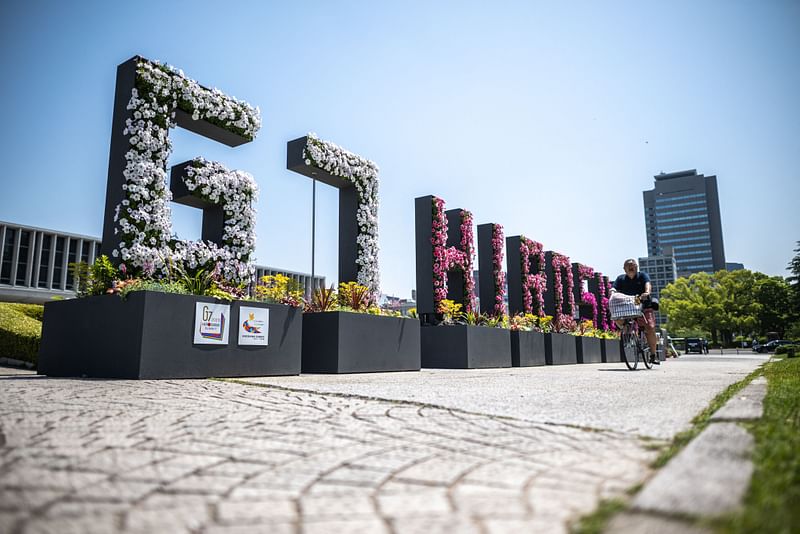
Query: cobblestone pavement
212, 457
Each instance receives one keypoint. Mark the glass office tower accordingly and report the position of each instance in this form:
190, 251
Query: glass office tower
682, 212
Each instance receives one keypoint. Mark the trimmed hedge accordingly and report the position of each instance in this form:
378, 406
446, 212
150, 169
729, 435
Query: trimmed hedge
783, 349
20, 330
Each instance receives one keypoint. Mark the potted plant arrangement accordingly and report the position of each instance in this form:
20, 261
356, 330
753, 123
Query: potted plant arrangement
588, 343
191, 323
156, 306
560, 344
345, 332
466, 340
527, 339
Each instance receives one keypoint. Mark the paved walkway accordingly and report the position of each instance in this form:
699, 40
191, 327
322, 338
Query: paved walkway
217, 457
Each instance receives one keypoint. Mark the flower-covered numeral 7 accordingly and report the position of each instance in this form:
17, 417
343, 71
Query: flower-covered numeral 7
357, 180
150, 99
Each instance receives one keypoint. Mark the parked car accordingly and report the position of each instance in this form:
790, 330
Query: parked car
694, 344
774, 344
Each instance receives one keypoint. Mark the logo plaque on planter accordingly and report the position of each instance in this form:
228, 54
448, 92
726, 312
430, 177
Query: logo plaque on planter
253, 326
211, 323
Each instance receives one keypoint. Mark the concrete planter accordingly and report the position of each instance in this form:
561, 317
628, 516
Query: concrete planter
465, 347
527, 349
560, 349
589, 349
150, 335
612, 350
344, 342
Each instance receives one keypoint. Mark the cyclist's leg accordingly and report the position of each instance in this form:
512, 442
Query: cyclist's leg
648, 323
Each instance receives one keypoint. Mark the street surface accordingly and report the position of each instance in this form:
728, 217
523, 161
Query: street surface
505, 450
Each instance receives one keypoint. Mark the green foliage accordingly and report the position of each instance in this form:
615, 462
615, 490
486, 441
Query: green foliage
784, 349
20, 330
323, 300
596, 522
726, 303
95, 279
794, 268
774, 298
771, 501
354, 297
199, 282
152, 285
279, 289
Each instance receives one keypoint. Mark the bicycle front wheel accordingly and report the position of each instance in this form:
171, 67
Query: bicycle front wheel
644, 351
630, 349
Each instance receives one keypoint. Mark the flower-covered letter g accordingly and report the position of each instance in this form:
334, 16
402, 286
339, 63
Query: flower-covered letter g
152, 98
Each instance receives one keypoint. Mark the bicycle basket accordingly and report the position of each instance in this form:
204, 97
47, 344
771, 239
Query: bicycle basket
624, 306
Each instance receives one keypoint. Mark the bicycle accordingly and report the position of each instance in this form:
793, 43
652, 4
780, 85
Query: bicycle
634, 342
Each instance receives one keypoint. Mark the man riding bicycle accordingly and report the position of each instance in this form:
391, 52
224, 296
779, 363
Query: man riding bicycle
637, 284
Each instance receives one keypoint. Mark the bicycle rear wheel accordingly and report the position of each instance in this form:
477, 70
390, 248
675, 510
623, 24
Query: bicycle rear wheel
630, 349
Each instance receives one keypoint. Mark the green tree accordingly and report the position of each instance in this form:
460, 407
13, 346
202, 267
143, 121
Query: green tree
729, 303
794, 281
694, 303
774, 297
794, 267
738, 295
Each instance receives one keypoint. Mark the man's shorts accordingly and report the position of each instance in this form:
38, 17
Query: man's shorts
649, 318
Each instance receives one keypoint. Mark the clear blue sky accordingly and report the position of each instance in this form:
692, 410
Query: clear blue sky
549, 118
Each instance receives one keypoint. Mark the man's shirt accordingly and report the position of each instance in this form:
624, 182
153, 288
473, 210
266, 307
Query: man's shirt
631, 286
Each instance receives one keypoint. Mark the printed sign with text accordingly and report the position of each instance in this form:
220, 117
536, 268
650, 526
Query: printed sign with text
211, 323
253, 326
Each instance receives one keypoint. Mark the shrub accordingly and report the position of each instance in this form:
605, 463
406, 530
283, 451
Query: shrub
20, 330
783, 349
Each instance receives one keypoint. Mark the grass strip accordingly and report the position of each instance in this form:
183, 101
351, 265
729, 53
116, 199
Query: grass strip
772, 503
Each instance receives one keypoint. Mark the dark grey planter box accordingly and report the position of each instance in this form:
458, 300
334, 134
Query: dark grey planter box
560, 349
612, 350
345, 342
589, 349
150, 335
465, 347
527, 349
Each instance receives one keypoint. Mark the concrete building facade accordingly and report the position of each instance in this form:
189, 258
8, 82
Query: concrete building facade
682, 212
663, 270
34, 263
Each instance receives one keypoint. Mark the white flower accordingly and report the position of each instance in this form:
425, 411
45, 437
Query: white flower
147, 229
363, 174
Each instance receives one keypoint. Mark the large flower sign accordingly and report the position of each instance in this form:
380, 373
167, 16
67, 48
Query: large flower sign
562, 289
152, 98
362, 174
527, 281
445, 257
492, 290
583, 274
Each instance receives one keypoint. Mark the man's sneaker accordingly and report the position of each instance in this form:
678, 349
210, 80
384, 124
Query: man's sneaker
656, 360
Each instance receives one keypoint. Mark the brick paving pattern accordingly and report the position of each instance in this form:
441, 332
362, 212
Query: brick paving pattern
215, 457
